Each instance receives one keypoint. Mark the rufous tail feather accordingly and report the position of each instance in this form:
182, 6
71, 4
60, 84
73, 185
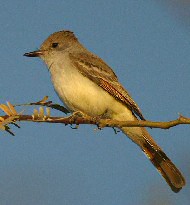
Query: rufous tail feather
163, 164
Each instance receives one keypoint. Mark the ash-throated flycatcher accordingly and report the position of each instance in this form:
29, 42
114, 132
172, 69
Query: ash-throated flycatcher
84, 82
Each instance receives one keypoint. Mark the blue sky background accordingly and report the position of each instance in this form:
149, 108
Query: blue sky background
147, 44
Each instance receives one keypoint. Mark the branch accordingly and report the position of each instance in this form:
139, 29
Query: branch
12, 116
77, 120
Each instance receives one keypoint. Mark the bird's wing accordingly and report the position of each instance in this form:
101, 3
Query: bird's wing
94, 68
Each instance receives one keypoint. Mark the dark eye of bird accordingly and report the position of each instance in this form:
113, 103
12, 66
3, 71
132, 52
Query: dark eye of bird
54, 45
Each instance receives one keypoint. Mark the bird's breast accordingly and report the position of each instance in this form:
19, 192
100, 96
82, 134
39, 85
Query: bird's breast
78, 92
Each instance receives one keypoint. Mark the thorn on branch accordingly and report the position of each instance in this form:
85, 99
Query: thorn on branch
74, 128
7, 129
115, 130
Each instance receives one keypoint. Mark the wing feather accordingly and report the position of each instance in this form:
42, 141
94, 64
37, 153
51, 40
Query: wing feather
94, 68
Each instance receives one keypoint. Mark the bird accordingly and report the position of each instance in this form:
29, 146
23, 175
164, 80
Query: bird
86, 83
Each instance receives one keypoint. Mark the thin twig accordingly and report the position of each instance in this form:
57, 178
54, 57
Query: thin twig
102, 122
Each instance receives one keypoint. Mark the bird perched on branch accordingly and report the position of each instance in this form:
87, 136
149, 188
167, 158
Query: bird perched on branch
85, 83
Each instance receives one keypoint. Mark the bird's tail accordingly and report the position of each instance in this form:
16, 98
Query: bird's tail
158, 158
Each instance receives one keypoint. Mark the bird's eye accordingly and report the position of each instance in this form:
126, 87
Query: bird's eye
54, 45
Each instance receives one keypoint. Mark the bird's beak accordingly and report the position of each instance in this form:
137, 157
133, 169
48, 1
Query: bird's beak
37, 53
